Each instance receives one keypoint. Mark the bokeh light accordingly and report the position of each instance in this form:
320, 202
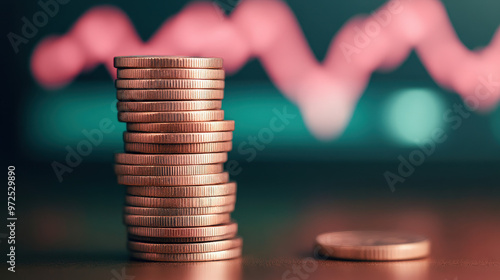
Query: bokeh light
413, 114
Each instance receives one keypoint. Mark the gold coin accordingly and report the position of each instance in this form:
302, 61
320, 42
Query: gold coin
185, 248
169, 83
187, 232
195, 257
176, 221
178, 170
177, 202
168, 106
167, 62
159, 159
177, 138
188, 180
184, 191
170, 73
181, 239
147, 211
373, 245
182, 116
169, 94
199, 148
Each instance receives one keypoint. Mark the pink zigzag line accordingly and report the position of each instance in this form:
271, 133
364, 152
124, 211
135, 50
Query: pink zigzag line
327, 92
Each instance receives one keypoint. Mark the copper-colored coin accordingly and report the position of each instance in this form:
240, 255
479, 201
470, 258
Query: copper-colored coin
184, 191
181, 239
191, 232
189, 159
185, 248
182, 116
188, 180
373, 245
195, 257
170, 73
178, 170
184, 202
168, 106
177, 221
146, 211
167, 62
182, 126
198, 148
231, 269
169, 94
177, 138
169, 83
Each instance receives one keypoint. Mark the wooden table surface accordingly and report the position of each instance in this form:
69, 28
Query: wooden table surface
279, 220
465, 245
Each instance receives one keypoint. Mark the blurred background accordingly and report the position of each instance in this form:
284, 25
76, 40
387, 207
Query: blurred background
279, 182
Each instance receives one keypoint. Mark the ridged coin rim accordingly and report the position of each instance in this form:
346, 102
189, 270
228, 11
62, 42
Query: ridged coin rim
176, 221
170, 73
180, 202
188, 211
180, 116
177, 138
210, 126
201, 247
173, 170
187, 180
183, 191
169, 83
168, 106
167, 62
169, 94
165, 159
183, 240
187, 232
195, 257
197, 148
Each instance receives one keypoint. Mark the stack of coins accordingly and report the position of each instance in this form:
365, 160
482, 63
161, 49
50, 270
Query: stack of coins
179, 198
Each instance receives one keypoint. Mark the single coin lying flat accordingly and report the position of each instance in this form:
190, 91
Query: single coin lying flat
373, 245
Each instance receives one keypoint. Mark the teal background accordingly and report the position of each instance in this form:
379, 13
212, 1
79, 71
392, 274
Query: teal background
386, 118
46, 121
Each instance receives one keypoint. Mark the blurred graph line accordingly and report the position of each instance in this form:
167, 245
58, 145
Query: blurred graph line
325, 92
